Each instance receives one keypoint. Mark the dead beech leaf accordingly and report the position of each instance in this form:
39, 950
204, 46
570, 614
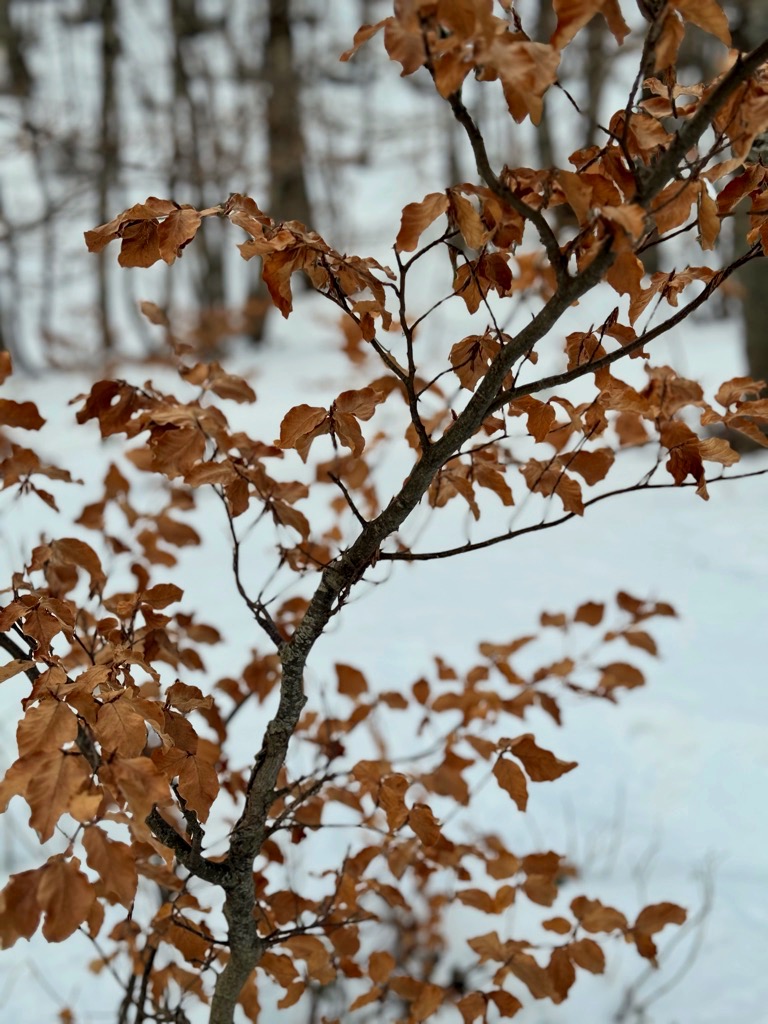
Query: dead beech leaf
176, 231
141, 783
657, 916
562, 974
141, 244
573, 15
651, 920
417, 217
300, 426
120, 729
51, 723
717, 449
709, 220
198, 785
468, 221
113, 862
154, 313
541, 765
12, 668
351, 681
510, 777
65, 896
380, 966
71, 551
707, 15
363, 34
540, 415
559, 925
620, 675
392, 798
550, 478
591, 466
347, 430
161, 595
639, 638
20, 414
57, 777
587, 954
507, 1004
361, 403
591, 613
315, 954
424, 824
596, 917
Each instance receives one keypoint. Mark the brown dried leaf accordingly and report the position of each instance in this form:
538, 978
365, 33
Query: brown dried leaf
620, 674
591, 612
120, 729
507, 1004
707, 15
550, 478
573, 15
511, 778
114, 863
540, 764
154, 313
12, 668
141, 244
65, 896
351, 681
177, 230
56, 778
300, 426
424, 824
417, 217
392, 798
595, 917
587, 954
20, 414
709, 221
591, 466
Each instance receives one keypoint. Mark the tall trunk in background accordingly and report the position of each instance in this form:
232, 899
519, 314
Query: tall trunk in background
752, 30
18, 80
190, 149
288, 197
110, 155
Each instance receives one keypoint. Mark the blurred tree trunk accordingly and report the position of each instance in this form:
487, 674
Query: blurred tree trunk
18, 80
751, 28
193, 141
110, 155
288, 197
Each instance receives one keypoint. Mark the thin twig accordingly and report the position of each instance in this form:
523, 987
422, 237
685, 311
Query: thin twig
425, 556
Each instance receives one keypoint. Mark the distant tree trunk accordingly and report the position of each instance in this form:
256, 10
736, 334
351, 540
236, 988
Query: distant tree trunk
288, 197
18, 80
752, 29
110, 154
189, 148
